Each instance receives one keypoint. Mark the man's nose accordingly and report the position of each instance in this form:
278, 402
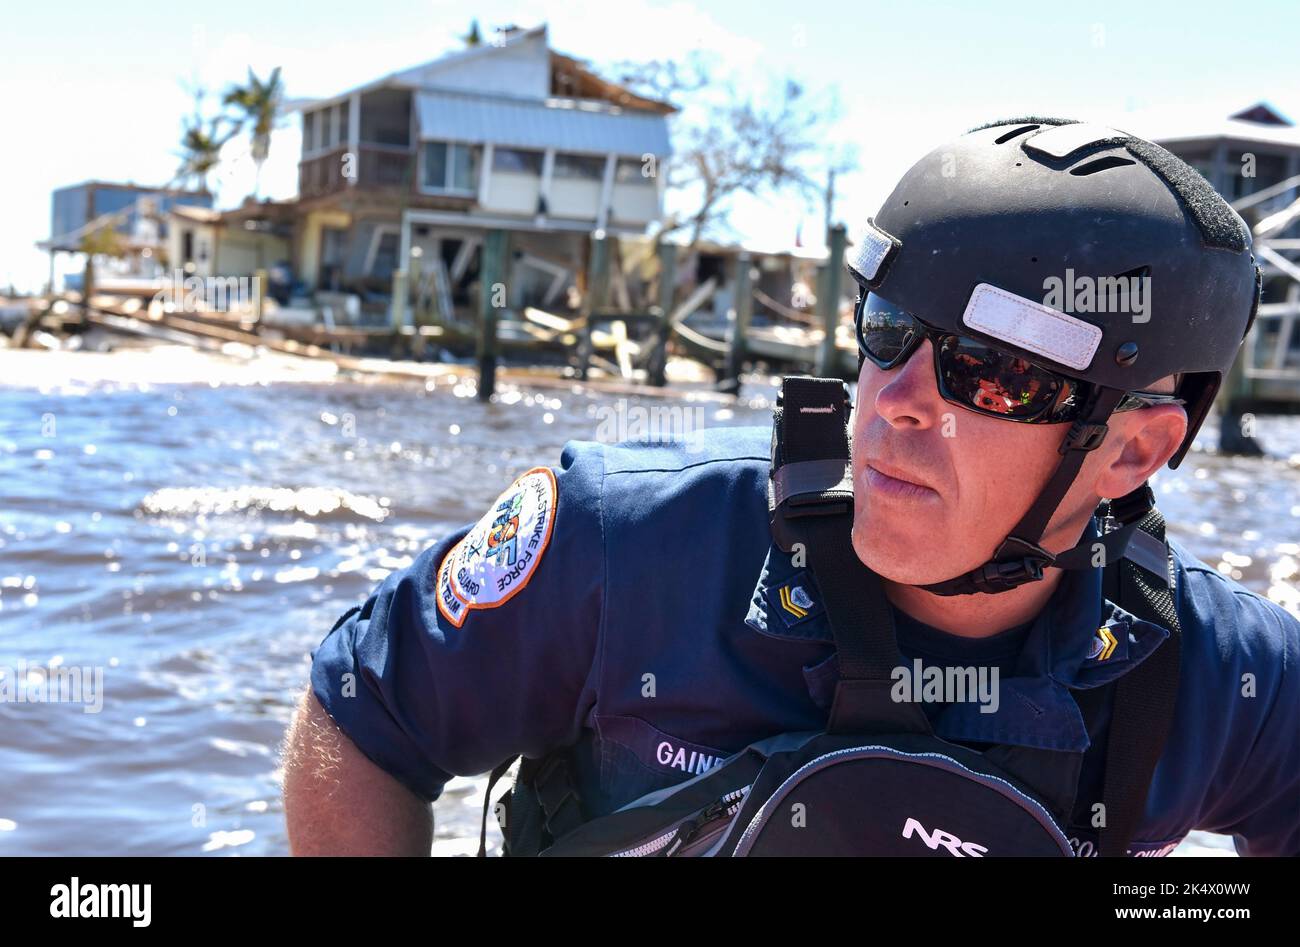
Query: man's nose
910, 395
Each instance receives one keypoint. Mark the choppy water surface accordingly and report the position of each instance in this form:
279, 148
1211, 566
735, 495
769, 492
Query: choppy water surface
196, 541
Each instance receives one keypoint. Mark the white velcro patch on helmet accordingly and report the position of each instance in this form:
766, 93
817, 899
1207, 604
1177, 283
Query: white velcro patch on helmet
1061, 141
871, 251
1032, 326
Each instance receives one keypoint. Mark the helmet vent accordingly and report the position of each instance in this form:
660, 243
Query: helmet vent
1014, 133
1101, 164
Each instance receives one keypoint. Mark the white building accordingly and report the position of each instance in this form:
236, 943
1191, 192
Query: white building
508, 135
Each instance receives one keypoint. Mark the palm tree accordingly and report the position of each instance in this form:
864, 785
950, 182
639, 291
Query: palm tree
259, 102
201, 150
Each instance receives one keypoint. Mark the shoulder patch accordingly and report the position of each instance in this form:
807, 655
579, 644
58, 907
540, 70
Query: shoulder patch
495, 559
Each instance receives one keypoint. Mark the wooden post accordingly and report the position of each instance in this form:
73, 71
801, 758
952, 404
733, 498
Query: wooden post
397, 304
828, 304
1235, 396
742, 309
593, 299
491, 278
419, 315
87, 284
260, 278
658, 363
396, 313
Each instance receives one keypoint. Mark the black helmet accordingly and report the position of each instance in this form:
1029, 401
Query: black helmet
974, 234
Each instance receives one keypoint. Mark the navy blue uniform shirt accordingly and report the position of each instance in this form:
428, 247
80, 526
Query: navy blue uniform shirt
630, 603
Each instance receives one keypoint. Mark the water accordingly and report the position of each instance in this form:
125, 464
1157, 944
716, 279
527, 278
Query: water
195, 541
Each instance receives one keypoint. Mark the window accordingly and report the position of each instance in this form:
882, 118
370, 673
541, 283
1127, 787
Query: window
308, 132
582, 167
449, 166
635, 170
516, 160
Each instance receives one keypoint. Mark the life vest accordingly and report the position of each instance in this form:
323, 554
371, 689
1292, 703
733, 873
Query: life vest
877, 780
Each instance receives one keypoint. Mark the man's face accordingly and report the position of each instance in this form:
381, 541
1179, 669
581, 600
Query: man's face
937, 487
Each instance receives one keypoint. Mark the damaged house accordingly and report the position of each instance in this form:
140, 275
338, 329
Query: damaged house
410, 172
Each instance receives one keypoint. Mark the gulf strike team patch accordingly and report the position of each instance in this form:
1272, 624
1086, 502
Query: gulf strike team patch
496, 558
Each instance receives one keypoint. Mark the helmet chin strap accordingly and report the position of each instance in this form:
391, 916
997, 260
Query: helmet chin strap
1020, 559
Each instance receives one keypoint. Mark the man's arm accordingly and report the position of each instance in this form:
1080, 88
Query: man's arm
337, 802
463, 659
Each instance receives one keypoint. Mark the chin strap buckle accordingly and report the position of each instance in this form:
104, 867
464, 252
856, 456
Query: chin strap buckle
1002, 576
1016, 563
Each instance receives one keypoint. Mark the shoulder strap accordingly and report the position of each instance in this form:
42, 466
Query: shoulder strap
493, 778
1143, 708
542, 806
811, 505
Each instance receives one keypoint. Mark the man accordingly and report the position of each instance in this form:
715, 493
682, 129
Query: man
630, 614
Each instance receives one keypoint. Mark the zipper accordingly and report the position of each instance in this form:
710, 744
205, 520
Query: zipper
722, 810
647, 848
671, 841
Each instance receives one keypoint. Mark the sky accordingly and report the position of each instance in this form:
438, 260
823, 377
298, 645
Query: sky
98, 91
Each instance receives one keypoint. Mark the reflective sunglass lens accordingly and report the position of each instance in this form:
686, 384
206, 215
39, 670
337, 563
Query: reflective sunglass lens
884, 331
995, 382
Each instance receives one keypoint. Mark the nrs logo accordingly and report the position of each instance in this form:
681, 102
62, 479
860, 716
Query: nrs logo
949, 841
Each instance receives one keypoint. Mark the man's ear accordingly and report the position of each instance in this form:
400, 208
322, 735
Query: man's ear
1145, 440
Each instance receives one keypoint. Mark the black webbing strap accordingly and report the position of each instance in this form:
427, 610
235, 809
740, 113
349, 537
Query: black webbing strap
544, 802
498, 771
557, 791
812, 505
1020, 558
1143, 709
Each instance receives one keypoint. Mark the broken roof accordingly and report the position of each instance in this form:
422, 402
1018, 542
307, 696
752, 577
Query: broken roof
569, 77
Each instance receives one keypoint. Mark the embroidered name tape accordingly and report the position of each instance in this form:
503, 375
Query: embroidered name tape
495, 559
1032, 326
870, 253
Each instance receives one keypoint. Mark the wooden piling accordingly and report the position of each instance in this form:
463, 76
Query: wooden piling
87, 284
260, 278
397, 304
657, 366
397, 314
419, 315
492, 273
1231, 400
742, 310
594, 298
828, 304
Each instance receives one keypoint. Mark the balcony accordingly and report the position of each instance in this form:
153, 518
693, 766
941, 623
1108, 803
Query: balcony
380, 167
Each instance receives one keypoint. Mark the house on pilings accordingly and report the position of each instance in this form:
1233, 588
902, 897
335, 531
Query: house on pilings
406, 176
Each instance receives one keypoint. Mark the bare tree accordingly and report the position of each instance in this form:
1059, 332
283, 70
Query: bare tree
739, 142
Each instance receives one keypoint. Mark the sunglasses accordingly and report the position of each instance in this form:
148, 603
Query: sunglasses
977, 376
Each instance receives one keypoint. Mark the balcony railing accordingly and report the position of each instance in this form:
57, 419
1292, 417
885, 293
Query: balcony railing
375, 167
